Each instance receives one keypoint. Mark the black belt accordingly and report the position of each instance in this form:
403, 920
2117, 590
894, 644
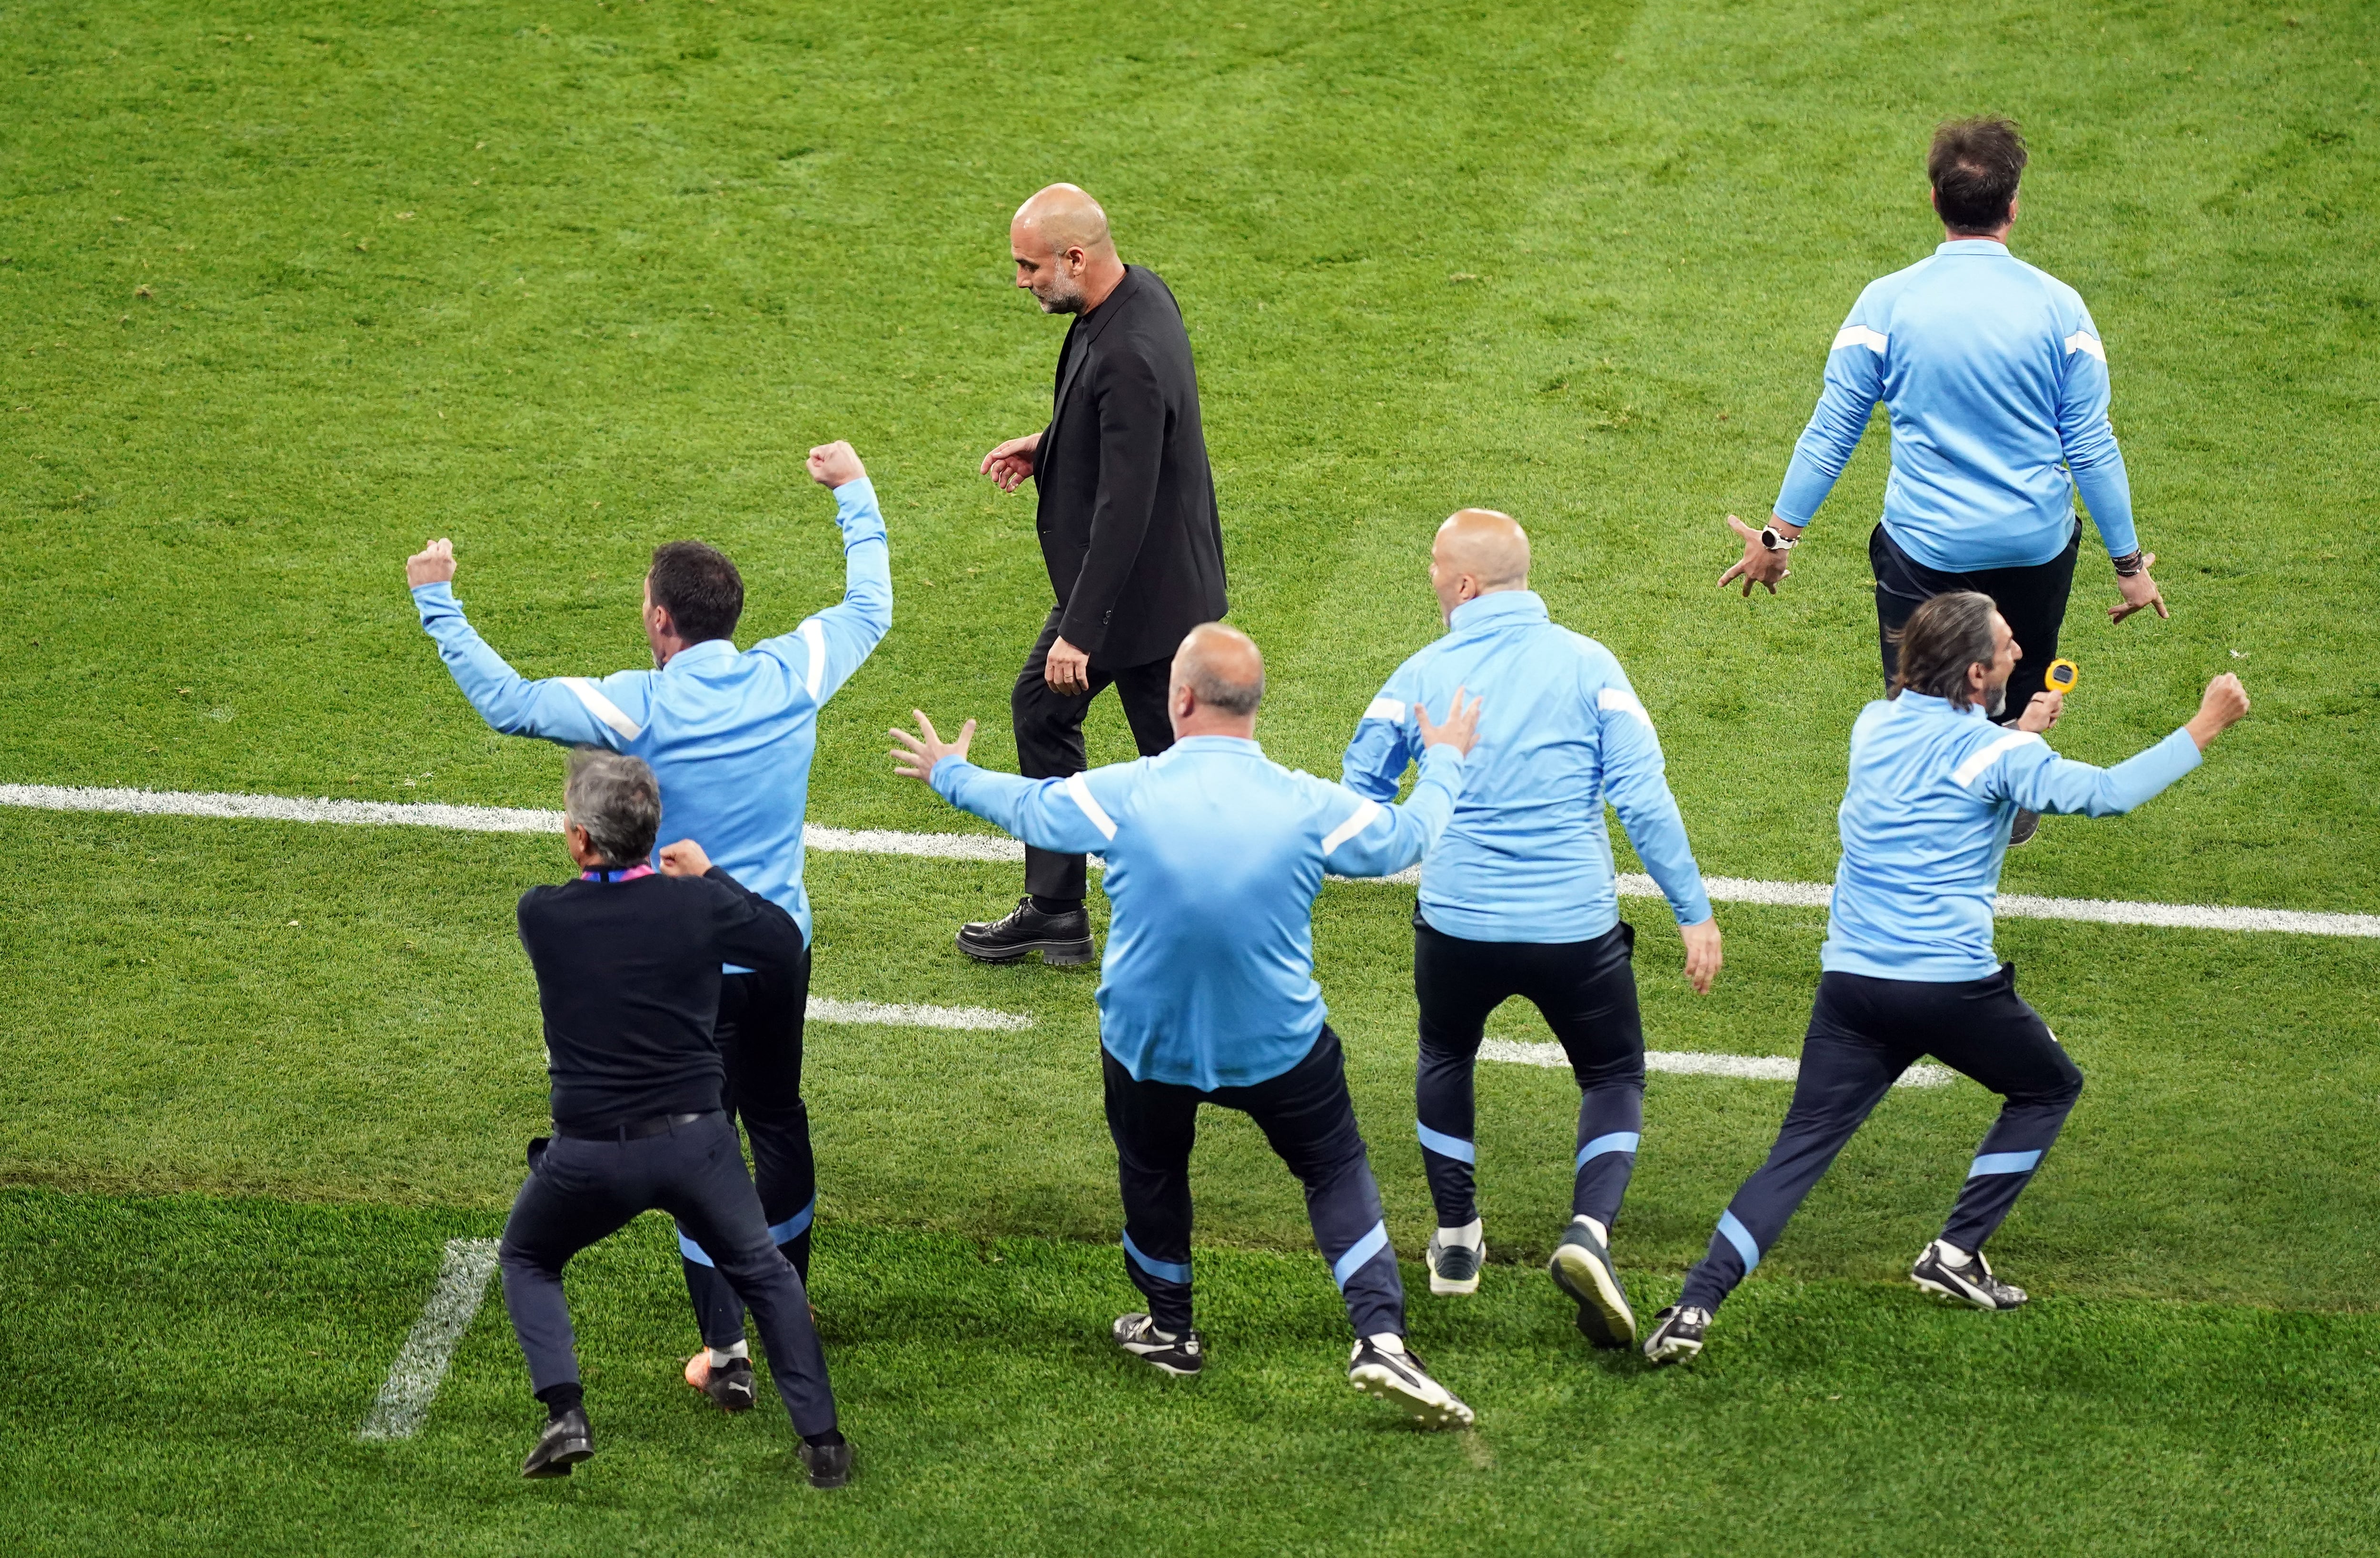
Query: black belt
660, 1125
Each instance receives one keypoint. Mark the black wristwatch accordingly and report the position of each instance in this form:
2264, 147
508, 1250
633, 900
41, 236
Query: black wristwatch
1775, 541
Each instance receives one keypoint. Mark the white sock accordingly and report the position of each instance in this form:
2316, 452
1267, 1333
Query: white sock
1470, 1235
720, 1359
1389, 1341
1602, 1234
1952, 1253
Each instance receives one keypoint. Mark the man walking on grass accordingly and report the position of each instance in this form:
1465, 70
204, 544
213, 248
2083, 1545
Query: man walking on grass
1518, 898
1908, 961
1997, 387
731, 737
1214, 856
628, 980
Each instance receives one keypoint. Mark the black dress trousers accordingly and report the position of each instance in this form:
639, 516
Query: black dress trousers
1049, 739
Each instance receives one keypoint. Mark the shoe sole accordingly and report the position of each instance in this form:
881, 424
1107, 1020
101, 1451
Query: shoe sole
560, 1465
1448, 1288
1058, 955
1382, 1385
1939, 1290
1604, 1316
731, 1400
1674, 1350
1163, 1367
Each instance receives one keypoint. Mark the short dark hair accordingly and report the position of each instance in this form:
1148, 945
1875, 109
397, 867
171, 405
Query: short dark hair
1938, 643
618, 800
1974, 166
699, 588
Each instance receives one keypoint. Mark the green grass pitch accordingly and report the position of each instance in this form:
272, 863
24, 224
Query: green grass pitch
285, 289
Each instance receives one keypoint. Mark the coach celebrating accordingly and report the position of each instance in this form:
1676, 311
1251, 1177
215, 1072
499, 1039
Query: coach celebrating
1997, 384
1908, 963
1214, 856
1129, 531
628, 979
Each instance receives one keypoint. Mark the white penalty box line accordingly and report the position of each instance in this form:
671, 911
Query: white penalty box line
978, 847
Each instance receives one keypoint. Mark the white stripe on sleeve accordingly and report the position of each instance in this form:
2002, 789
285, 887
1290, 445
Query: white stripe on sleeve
2083, 341
1967, 772
1858, 335
814, 635
603, 708
1619, 700
1091, 807
1385, 709
1357, 822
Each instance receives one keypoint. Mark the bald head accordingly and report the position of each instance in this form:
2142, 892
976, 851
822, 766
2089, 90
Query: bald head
1479, 552
1218, 682
1065, 254
1064, 217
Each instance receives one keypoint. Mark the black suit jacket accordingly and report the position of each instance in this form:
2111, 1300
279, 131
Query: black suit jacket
1127, 516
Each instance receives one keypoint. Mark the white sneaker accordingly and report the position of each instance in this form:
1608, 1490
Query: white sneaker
1396, 1376
1454, 1268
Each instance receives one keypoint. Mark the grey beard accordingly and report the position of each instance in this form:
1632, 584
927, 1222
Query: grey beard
1999, 704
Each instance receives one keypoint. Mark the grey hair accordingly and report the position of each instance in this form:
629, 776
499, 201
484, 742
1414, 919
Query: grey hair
1941, 638
618, 800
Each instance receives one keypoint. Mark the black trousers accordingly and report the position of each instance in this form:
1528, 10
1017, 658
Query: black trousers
1049, 739
759, 1034
1864, 1033
2032, 599
1309, 1119
579, 1192
1586, 991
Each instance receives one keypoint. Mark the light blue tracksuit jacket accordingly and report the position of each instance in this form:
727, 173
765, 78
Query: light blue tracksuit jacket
1997, 384
1925, 826
729, 735
1526, 856
1214, 855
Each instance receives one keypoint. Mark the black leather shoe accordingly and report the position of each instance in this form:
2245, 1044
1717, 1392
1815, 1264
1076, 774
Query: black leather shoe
829, 1464
732, 1386
2020, 832
1061, 939
565, 1441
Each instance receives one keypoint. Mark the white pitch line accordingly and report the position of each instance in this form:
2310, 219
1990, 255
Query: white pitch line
888, 1015
980, 846
420, 1364
1681, 1062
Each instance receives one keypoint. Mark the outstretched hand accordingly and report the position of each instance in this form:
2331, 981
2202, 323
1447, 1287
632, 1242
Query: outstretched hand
434, 563
1759, 565
1461, 730
915, 758
2139, 591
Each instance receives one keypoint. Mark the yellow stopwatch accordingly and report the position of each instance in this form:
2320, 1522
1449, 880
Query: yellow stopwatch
2062, 675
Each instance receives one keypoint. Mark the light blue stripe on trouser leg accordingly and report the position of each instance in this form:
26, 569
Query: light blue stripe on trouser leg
1361, 1251
1447, 1146
2004, 1162
1618, 1141
1164, 1271
1739, 1235
792, 1228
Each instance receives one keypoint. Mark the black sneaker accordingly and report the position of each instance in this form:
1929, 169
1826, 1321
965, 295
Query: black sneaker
2027, 823
1452, 1267
829, 1465
1403, 1380
1677, 1333
1582, 1267
1967, 1282
565, 1441
1137, 1334
1062, 939
731, 1386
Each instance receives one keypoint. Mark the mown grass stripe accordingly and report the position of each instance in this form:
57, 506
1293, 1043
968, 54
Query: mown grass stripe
420, 1364
1679, 1062
977, 847
887, 1014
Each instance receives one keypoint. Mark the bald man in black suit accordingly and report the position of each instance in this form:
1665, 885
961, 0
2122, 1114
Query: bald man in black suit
1129, 531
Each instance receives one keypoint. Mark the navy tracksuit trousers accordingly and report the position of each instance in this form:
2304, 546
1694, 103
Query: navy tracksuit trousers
759, 1032
1587, 991
1864, 1033
1309, 1118
580, 1191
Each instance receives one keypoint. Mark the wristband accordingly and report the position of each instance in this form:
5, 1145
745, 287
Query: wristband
2129, 565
